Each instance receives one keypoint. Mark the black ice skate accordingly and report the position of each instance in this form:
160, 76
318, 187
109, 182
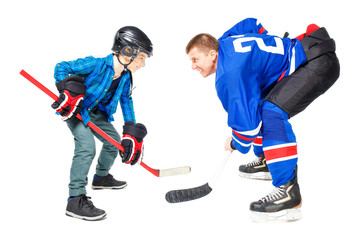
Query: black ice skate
107, 182
81, 207
282, 204
256, 169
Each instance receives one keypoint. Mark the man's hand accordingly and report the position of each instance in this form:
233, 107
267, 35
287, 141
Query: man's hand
228, 145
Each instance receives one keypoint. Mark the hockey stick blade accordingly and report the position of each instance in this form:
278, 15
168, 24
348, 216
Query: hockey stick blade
183, 195
174, 171
167, 172
155, 172
189, 194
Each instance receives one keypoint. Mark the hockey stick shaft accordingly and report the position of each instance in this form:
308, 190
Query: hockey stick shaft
156, 172
55, 98
219, 169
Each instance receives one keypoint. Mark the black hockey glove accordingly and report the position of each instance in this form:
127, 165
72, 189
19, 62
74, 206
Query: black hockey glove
132, 141
72, 90
232, 145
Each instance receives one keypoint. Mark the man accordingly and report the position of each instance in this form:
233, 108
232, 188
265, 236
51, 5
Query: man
93, 87
262, 81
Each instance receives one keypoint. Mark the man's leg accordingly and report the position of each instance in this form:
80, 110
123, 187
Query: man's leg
288, 98
258, 168
279, 144
280, 148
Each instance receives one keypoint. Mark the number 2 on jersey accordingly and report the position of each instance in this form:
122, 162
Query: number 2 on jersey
277, 49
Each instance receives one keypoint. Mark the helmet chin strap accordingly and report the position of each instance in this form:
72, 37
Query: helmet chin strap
125, 65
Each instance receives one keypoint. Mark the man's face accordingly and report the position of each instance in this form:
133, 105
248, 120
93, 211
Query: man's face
204, 63
138, 62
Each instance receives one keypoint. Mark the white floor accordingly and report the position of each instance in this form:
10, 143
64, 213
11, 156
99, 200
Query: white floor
185, 121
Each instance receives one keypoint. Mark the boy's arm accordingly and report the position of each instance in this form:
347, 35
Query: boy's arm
70, 83
81, 67
126, 103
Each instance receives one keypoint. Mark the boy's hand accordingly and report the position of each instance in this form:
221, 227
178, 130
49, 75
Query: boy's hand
132, 141
72, 90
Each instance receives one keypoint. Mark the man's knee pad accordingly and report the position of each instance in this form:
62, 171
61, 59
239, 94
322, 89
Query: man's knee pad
276, 127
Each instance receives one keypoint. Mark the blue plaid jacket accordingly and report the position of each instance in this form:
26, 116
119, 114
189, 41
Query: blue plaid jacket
98, 74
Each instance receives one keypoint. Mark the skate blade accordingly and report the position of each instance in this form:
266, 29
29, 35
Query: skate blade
286, 215
258, 175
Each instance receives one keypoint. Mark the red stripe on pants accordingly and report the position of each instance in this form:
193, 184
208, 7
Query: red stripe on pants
281, 152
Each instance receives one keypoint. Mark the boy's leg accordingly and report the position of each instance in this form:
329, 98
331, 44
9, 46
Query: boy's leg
83, 156
108, 152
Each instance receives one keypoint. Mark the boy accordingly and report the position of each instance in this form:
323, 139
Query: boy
259, 88
93, 87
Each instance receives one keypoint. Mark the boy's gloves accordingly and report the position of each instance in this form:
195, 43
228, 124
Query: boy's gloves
132, 141
72, 90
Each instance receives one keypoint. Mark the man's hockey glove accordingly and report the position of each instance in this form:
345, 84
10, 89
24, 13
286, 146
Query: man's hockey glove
132, 141
72, 90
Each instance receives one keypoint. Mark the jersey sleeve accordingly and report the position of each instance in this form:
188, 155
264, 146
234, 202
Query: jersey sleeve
242, 140
239, 92
248, 25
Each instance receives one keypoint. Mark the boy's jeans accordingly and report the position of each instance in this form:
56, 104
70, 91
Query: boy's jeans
85, 150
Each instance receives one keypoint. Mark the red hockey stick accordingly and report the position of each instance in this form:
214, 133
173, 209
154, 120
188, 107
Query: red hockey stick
156, 172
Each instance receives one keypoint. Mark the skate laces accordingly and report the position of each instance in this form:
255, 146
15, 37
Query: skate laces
256, 162
276, 194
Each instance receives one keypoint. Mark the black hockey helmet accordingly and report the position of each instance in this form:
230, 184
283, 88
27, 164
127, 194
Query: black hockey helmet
130, 41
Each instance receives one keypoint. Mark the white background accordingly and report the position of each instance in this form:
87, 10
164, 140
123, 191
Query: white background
185, 121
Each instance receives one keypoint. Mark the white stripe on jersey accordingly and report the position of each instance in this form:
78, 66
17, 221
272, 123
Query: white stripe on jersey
251, 132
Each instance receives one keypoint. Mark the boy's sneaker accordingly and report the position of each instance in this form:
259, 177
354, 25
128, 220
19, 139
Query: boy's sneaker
256, 169
81, 207
107, 182
282, 204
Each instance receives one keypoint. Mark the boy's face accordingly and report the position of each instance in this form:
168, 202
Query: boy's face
138, 62
204, 63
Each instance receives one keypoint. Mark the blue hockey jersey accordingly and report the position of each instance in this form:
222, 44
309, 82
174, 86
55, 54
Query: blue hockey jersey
250, 62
